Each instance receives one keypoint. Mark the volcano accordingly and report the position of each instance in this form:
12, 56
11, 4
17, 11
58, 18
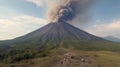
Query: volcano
58, 35
52, 42
57, 32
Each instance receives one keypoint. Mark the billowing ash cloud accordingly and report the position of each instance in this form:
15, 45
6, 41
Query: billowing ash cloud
67, 10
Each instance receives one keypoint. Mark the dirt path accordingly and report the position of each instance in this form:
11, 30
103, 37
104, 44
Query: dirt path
70, 61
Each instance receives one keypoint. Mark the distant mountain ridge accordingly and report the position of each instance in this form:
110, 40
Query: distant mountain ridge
112, 38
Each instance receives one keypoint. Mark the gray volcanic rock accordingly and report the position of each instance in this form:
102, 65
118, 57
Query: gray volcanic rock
58, 32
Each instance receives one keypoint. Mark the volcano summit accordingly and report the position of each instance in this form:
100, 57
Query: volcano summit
57, 33
59, 30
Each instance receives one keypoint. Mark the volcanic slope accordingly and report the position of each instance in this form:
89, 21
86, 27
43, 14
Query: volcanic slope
61, 34
58, 32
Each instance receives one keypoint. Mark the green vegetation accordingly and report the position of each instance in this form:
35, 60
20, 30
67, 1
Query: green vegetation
102, 53
17, 55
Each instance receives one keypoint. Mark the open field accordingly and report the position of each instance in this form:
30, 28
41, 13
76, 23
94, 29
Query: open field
94, 58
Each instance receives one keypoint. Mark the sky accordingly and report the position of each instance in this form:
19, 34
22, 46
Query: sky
19, 17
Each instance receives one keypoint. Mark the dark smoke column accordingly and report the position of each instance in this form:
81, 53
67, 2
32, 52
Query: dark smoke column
69, 9
63, 14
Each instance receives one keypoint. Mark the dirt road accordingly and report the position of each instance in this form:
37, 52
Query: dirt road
70, 61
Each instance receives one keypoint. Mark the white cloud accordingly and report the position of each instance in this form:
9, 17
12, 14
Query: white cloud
20, 25
37, 2
112, 29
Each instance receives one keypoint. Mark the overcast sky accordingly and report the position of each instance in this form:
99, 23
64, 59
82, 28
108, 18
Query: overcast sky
19, 17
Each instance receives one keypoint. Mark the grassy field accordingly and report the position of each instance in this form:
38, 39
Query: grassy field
98, 59
101, 54
102, 58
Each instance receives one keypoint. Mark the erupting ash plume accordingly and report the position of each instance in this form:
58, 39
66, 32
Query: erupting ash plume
67, 10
